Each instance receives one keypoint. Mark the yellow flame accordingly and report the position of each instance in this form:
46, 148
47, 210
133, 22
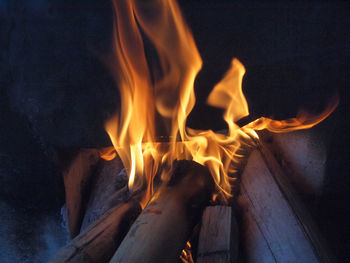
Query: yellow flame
228, 94
169, 94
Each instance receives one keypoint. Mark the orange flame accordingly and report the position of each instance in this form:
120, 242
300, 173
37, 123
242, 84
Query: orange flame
169, 94
186, 254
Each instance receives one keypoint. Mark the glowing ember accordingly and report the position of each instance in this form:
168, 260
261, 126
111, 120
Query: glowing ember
169, 95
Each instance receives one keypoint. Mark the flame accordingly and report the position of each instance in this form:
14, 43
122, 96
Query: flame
186, 254
304, 120
166, 92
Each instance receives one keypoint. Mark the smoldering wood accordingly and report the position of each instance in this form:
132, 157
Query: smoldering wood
100, 240
76, 182
276, 227
218, 237
162, 229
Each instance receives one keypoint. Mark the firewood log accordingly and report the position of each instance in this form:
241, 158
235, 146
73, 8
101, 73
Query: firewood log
99, 241
276, 227
302, 155
218, 237
108, 188
76, 182
162, 229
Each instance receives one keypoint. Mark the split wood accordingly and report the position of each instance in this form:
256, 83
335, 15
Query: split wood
162, 229
99, 241
276, 226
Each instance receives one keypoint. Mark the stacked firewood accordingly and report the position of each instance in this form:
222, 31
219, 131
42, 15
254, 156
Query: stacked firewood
107, 224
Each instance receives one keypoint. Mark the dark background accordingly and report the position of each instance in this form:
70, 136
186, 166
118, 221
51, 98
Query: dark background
55, 93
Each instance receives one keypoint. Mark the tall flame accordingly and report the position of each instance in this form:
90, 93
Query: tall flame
166, 92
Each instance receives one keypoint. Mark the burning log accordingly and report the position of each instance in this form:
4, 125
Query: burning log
275, 225
99, 241
218, 238
162, 229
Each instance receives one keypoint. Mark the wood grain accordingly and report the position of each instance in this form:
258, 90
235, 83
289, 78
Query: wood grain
162, 229
218, 237
279, 221
99, 241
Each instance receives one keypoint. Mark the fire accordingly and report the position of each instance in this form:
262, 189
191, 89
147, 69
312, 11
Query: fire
186, 254
165, 92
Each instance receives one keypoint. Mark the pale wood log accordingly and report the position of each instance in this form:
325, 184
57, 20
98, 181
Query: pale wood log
108, 188
218, 237
302, 155
76, 181
274, 215
162, 229
312, 232
99, 241
255, 248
